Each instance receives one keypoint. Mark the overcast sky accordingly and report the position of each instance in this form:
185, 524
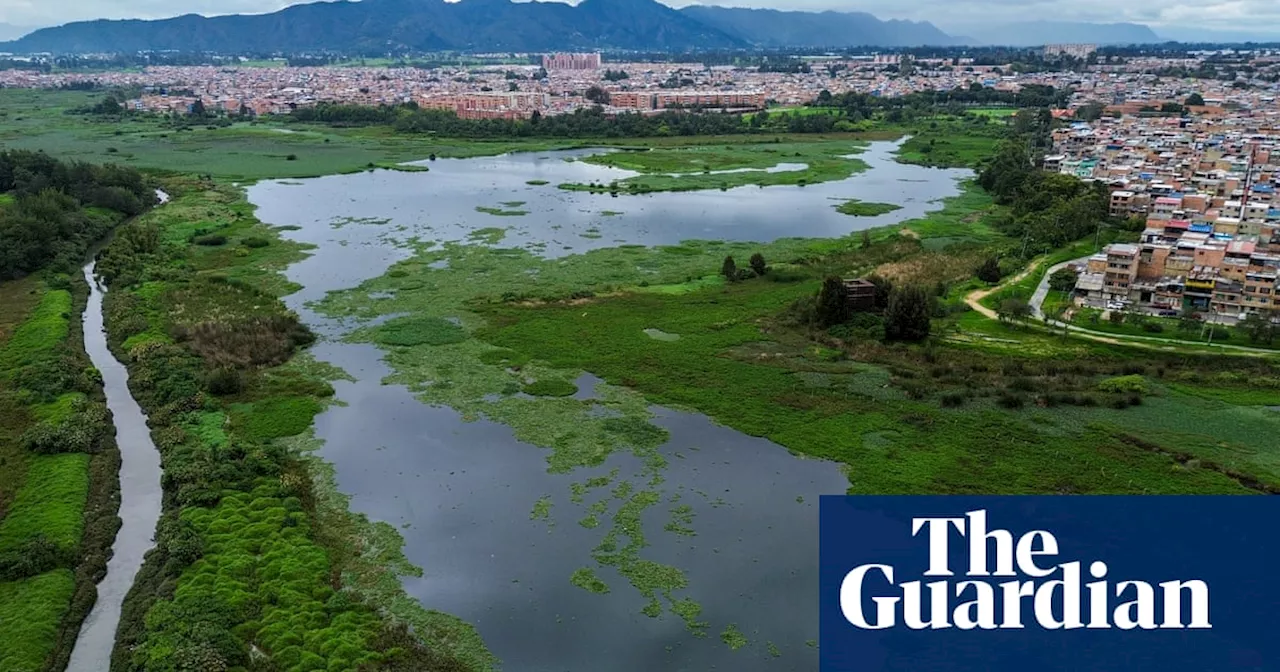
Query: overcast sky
1253, 15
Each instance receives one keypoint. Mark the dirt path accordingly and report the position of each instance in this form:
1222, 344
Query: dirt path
974, 298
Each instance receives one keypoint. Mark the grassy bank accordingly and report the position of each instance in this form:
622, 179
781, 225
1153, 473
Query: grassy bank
59, 492
255, 551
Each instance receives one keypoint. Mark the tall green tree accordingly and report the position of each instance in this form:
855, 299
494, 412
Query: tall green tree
758, 264
908, 317
833, 302
729, 269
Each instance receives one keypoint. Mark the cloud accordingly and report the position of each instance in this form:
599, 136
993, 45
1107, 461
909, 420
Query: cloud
1187, 15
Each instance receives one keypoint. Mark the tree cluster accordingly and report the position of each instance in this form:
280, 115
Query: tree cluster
1047, 210
48, 222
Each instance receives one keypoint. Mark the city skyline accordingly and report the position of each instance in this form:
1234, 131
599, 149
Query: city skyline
1181, 19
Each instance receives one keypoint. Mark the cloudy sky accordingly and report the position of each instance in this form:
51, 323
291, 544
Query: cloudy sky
955, 15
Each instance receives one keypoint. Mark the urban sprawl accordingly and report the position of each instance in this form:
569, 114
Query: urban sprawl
1195, 157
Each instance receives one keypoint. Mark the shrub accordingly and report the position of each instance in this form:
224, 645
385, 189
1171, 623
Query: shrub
833, 302
1153, 327
989, 271
212, 240
953, 399
223, 381
1124, 384
255, 242
1010, 400
254, 341
758, 264
294, 157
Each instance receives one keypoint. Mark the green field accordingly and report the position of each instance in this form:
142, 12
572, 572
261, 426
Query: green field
997, 112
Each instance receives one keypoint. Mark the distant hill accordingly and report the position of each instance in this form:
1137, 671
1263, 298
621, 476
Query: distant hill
774, 28
481, 25
12, 32
1035, 33
397, 24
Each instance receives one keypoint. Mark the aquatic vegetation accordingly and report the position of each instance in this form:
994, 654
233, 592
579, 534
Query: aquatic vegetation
550, 387
541, 509
537, 183
859, 208
733, 637
489, 235
411, 331
586, 579
501, 212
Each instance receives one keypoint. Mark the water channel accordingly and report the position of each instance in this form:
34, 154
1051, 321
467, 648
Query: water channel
461, 492
140, 491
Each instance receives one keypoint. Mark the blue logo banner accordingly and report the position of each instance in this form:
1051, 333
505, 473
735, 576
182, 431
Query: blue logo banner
1049, 584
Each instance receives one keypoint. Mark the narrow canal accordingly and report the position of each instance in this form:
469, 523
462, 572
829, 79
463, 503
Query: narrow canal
139, 489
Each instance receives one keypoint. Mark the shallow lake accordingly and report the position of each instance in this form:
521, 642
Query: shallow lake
461, 493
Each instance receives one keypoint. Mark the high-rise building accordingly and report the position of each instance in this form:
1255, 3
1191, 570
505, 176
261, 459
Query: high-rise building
1073, 50
571, 61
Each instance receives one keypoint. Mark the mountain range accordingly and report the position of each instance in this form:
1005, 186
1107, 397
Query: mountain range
503, 25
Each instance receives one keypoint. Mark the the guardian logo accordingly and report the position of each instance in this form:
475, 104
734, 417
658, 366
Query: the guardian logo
1012, 582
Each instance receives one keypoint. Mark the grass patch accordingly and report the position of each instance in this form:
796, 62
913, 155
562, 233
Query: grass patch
30, 613
275, 418
50, 503
550, 387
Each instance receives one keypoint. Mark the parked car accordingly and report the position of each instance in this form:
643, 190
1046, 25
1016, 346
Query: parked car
1169, 313
1115, 305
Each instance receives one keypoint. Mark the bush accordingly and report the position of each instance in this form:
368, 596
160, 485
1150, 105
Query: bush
989, 271
1153, 327
255, 242
79, 433
953, 400
294, 157
212, 240
223, 381
1124, 384
908, 316
1010, 400
254, 341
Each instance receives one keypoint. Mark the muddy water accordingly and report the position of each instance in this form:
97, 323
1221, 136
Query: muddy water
139, 492
461, 493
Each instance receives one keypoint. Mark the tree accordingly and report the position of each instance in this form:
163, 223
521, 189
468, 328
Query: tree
1194, 100
729, 269
908, 316
884, 288
758, 264
833, 302
1258, 328
989, 271
1188, 322
597, 95
1063, 280
1013, 309
197, 108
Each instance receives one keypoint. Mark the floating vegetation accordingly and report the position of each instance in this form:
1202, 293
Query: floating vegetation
611, 213
537, 183
489, 235
500, 212
345, 221
733, 637
541, 509
681, 521
586, 579
512, 204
